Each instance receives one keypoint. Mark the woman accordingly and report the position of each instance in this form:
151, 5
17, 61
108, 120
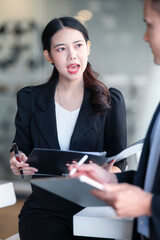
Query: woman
74, 111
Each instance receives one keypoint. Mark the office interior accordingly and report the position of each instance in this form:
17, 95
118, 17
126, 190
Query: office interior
118, 54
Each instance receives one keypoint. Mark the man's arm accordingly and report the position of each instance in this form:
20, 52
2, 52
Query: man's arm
127, 177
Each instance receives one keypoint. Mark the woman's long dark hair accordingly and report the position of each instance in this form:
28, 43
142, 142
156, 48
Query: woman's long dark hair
100, 96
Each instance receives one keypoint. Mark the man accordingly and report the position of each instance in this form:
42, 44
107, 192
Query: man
139, 197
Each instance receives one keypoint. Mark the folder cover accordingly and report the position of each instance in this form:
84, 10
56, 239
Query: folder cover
71, 189
53, 161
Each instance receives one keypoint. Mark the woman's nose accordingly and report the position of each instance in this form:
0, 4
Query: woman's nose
71, 55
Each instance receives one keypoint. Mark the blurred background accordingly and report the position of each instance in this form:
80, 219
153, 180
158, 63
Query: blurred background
118, 54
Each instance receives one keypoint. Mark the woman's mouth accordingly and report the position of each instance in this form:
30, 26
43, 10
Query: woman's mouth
73, 68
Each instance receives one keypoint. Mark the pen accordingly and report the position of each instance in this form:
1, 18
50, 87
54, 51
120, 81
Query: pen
15, 149
81, 161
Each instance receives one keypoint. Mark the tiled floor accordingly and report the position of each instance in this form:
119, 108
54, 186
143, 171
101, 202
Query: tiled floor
9, 220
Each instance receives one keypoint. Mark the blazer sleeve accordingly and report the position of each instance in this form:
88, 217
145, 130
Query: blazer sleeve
127, 176
155, 212
116, 130
23, 121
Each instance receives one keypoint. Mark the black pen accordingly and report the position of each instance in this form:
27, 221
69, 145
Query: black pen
15, 149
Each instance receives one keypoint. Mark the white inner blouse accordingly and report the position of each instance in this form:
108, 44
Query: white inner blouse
66, 121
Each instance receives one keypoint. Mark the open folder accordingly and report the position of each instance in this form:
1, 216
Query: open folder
51, 162
77, 190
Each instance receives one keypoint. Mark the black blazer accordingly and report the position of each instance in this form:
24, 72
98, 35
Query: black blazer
36, 123
137, 178
36, 127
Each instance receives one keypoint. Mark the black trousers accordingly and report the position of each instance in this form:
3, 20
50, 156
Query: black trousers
44, 227
48, 217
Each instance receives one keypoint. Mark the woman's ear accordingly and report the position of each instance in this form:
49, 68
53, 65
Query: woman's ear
88, 46
47, 56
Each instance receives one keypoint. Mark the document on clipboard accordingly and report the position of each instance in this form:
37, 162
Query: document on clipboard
76, 190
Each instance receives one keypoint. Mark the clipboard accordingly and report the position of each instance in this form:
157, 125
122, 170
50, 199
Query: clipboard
52, 162
75, 190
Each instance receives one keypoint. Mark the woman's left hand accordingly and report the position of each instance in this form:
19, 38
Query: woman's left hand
110, 168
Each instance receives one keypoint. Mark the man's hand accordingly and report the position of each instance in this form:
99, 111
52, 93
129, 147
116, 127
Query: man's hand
93, 171
126, 199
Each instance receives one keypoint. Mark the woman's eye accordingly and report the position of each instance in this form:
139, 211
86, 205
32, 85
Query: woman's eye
60, 49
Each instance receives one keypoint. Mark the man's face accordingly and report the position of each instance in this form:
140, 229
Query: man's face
152, 34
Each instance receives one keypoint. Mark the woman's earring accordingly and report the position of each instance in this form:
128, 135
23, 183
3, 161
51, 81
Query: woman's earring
52, 64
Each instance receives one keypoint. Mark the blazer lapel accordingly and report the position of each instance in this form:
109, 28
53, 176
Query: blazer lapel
45, 116
85, 120
140, 176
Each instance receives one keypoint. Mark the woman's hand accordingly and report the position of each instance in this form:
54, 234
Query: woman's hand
111, 168
15, 165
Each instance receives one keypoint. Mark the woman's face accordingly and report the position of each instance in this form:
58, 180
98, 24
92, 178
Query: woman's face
69, 53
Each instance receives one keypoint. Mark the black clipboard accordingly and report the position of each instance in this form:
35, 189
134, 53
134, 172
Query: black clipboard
53, 161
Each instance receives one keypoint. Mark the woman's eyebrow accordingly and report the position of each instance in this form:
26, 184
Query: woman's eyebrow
59, 44
63, 44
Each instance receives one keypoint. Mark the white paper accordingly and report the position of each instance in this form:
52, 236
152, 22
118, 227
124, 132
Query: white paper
131, 150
